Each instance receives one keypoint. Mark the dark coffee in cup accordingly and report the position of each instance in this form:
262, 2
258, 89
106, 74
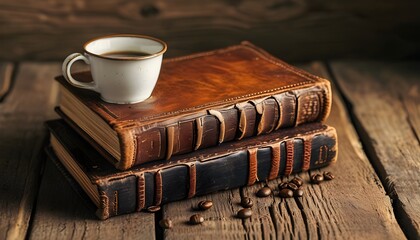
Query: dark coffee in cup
125, 54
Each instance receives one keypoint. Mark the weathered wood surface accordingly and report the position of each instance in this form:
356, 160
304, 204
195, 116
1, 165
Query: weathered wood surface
22, 138
220, 221
385, 100
353, 206
62, 214
292, 29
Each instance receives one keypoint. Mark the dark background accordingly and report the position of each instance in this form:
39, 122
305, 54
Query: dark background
295, 30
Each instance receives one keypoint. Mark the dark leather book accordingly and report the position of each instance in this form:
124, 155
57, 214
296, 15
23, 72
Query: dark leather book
230, 165
200, 101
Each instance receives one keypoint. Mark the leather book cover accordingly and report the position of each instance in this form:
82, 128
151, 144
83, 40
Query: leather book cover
230, 165
203, 100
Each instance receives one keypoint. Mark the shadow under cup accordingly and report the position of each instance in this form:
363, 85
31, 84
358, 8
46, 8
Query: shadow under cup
124, 68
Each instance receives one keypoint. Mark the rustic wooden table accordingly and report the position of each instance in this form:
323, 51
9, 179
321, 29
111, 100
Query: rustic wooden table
375, 195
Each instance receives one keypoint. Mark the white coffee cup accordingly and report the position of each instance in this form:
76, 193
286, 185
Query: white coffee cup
124, 67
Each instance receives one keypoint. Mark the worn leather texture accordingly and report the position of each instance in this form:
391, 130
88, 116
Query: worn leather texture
209, 98
231, 165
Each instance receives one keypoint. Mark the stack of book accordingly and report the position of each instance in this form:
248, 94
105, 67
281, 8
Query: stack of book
216, 120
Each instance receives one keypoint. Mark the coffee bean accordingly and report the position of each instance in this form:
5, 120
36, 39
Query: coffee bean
283, 185
264, 192
247, 202
292, 186
298, 181
166, 223
153, 209
298, 192
328, 176
285, 193
204, 205
196, 219
317, 178
244, 213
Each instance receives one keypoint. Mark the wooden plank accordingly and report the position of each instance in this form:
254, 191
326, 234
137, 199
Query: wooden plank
274, 218
295, 29
353, 206
62, 214
22, 137
6, 69
385, 101
360, 208
220, 220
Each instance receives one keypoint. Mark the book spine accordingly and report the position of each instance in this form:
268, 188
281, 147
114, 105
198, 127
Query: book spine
244, 167
235, 122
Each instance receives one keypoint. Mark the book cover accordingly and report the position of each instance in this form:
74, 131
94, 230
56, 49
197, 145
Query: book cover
200, 100
230, 165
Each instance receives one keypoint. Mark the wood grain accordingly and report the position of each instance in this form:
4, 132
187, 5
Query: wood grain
62, 214
21, 140
294, 30
6, 69
361, 204
385, 105
353, 206
220, 221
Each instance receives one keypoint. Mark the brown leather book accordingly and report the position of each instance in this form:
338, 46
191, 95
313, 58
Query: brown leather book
230, 165
200, 101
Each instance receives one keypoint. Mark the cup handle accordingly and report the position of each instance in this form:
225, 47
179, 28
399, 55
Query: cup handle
66, 67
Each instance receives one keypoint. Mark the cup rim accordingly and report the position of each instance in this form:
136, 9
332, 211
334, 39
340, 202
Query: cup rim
165, 47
